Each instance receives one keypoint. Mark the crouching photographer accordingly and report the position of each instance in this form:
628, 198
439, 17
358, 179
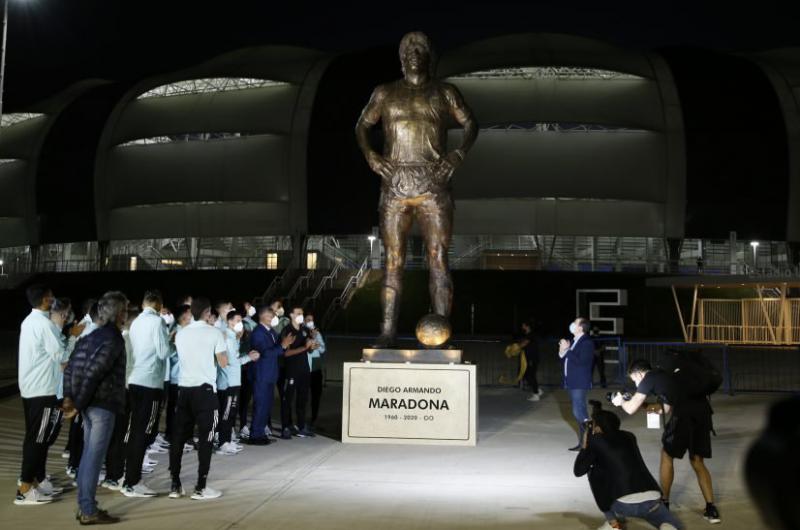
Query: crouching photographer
620, 481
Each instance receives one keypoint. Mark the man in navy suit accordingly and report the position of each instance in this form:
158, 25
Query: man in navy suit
578, 356
264, 372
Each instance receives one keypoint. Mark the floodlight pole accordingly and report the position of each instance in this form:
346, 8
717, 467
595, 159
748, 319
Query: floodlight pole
3, 53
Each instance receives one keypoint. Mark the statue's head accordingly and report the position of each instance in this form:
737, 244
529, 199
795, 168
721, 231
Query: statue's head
415, 53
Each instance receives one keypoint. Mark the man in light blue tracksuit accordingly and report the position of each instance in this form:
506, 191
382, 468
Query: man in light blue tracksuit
229, 382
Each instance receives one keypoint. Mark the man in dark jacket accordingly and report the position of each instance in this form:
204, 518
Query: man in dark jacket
94, 385
578, 356
621, 483
264, 372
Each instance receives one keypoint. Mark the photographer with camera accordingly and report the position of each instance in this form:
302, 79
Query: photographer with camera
687, 429
620, 481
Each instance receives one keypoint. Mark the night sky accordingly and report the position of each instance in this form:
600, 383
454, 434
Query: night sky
736, 141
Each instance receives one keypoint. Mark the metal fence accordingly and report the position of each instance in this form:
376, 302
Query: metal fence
745, 368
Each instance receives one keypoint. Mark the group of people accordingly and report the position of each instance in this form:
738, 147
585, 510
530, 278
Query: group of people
115, 371
621, 483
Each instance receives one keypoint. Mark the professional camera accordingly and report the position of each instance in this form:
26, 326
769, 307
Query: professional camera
626, 396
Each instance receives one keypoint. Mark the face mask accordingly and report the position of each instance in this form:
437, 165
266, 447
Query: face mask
310, 324
299, 319
238, 327
274, 322
251, 311
168, 318
573, 328
279, 312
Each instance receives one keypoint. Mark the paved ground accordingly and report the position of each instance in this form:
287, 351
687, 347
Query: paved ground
519, 476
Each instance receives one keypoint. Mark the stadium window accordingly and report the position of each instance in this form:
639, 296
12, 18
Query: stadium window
132, 263
311, 261
272, 261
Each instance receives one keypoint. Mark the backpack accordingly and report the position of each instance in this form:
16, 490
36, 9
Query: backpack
696, 375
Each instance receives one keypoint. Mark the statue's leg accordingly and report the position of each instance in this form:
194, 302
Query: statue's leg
396, 218
435, 217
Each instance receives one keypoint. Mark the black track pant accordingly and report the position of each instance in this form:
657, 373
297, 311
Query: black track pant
172, 404
228, 406
197, 405
75, 441
530, 374
316, 394
115, 456
42, 425
143, 424
245, 395
295, 392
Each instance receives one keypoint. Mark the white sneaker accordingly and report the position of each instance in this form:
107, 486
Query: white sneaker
140, 490
46, 487
177, 493
188, 448
112, 485
206, 493
147, 461
33, 497
161, 440
540, 392
666, 526
228, 449
244, 433
157, 450
146, 470
65, 453
606, 526
534, 397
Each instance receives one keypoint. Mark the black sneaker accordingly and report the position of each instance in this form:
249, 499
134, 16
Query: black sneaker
286, 434
101, 517
712, 514
294, 430
305, 433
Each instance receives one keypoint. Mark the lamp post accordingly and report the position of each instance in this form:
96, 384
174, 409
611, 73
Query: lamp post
755, 244
3, 53
371, 240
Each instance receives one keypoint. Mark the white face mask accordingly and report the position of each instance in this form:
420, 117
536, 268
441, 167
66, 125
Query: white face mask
573, 328
169, 319
251, 311
299, 319
279, 312
274, 322
238, 327
310, 324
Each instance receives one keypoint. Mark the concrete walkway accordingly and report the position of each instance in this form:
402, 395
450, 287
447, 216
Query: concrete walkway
519, 476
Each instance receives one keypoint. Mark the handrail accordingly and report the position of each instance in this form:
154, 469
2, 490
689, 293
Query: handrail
304, 279
353, 284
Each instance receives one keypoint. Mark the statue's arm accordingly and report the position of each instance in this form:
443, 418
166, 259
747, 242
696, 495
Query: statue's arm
463, 115
369, 117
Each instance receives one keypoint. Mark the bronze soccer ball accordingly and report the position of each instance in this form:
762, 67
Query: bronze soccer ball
433, 330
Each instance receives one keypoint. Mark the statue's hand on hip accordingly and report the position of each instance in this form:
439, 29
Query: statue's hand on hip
380, 165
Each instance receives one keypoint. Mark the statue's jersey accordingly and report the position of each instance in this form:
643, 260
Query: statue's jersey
415, 122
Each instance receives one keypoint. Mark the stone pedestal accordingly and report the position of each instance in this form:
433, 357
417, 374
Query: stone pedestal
397, 355
409, 403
